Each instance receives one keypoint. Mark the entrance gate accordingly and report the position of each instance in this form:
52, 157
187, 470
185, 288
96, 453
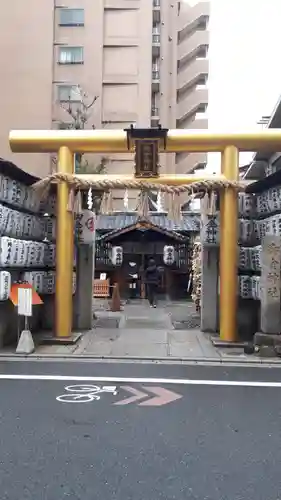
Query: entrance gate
68, 142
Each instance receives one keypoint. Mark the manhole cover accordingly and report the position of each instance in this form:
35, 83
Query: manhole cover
192, 323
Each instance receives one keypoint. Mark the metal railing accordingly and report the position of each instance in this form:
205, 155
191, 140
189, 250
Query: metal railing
155, 37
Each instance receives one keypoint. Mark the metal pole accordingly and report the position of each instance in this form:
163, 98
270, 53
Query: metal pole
228, 248
94, 266
65, 250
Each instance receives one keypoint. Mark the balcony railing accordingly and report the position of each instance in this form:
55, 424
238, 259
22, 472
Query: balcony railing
156, 3
155, 75
155, 37
154, 111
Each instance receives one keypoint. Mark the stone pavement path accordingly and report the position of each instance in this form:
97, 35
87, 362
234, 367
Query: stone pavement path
143, 332
171, 332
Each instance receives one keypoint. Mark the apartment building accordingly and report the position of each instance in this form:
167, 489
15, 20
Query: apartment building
146, 60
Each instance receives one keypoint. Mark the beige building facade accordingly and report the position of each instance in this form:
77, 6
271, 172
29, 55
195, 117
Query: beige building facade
146, 60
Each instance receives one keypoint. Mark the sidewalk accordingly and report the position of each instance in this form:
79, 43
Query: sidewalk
171, 332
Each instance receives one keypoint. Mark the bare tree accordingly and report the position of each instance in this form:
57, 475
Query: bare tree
78, 113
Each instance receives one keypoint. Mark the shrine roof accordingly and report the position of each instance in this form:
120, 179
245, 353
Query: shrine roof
11, 170
190, 222
143, 224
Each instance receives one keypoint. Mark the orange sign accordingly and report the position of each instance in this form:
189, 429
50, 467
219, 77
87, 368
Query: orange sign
36, 300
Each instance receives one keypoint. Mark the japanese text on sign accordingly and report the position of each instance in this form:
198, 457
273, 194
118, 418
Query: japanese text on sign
271, 269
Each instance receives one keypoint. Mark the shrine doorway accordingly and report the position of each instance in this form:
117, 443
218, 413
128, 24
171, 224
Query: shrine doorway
141, 242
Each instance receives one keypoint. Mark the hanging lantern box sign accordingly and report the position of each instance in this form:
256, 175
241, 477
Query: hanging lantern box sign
86, 227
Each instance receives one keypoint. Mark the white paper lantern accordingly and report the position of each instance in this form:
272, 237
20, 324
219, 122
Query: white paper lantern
15, 252
169, 255
86, 227
5, 251
5, 285
27, 225
5, 188
49, 283
117, 256
22, 255
49, 254
19, 224
38, 281
3, 218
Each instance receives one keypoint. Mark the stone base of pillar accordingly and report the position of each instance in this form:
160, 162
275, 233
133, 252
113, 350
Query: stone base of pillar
52, 340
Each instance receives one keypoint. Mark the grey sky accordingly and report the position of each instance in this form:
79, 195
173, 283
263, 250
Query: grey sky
244, 50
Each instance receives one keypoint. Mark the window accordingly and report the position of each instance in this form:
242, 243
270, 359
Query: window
71, 55
71, 17
68, 93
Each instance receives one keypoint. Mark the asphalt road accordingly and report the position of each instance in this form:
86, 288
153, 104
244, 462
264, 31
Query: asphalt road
220, 440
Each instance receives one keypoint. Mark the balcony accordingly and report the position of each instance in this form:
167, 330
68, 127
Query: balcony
191, 103
193, 45
155, 83
156, 11
186, 163
155, 112
193, 18
155, 118
192, 73
156, 43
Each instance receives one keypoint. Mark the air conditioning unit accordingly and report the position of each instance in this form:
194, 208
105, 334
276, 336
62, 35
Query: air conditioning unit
117, 256
169, 256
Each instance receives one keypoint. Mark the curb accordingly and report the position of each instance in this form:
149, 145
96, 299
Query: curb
231, 361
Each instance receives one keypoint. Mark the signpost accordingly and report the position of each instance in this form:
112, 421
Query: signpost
25, 343
25, 303
94, 259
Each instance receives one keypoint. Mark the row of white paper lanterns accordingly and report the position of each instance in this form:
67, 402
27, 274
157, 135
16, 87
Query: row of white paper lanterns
43, 283
19, 195
21, 253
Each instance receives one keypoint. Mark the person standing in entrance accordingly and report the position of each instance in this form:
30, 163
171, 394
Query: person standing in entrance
151, 277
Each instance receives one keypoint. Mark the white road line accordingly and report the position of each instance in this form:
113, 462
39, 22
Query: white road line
132, 380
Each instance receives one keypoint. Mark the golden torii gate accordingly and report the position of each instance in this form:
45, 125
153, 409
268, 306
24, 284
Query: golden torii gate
68, 142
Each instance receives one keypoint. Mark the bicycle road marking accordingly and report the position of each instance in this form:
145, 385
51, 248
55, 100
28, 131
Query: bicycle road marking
85, 393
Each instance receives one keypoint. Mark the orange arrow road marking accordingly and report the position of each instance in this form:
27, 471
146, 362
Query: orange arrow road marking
137, 395
163, 397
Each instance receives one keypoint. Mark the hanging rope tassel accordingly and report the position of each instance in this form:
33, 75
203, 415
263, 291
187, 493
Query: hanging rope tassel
212, 203
177, 207
143, 205
70, 203
174, 210
103, 203
106, 207
170, 202
78, 203
110, 203
103, 206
